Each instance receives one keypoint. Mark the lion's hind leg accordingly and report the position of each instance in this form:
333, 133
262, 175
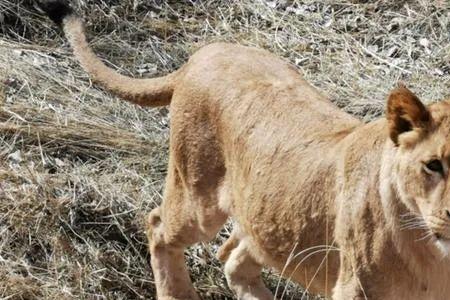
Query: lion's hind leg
242, 270
178, 223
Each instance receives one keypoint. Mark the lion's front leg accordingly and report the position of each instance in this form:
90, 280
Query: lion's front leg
348, 285
347, 291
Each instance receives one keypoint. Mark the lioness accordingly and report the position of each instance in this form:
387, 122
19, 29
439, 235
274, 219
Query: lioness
347, 209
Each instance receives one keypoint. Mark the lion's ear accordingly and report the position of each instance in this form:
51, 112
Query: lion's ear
407, 117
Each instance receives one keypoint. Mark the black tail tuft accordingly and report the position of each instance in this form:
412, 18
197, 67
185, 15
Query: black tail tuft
56, 10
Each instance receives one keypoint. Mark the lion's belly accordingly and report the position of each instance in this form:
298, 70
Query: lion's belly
292, 229
301, 251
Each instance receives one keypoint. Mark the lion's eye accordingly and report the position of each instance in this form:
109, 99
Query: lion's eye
434, 165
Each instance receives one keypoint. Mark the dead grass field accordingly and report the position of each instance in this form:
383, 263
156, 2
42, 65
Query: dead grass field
79, 169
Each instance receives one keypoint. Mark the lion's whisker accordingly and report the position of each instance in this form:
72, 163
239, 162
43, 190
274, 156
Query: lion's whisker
291, 258
317, 271
326, 248
427, 235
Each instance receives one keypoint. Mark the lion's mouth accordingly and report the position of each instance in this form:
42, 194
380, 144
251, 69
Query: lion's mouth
443, 243
444, 246
438, 236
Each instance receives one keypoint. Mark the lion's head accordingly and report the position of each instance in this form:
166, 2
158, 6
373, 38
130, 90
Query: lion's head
421, 166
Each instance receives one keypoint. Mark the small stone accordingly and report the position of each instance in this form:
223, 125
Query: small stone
16, 156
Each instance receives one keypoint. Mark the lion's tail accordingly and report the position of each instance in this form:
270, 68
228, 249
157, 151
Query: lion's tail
145, 92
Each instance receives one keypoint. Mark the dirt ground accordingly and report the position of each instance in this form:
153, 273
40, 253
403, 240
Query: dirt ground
80, 169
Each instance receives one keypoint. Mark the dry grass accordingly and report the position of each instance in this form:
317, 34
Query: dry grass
79, 169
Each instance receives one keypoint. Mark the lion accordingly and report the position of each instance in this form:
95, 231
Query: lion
349, 210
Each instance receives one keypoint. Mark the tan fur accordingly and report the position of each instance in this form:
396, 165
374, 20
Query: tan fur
145, 92
312, 191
